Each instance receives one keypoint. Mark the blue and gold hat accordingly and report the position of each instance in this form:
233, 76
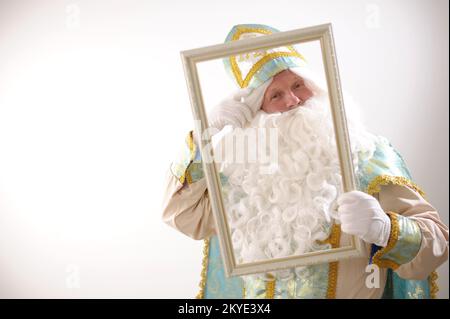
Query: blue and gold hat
254, 68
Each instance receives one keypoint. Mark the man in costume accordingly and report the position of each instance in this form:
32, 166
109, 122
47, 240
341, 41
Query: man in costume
299, 206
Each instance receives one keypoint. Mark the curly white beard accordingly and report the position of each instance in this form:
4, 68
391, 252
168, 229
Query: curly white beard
288, 211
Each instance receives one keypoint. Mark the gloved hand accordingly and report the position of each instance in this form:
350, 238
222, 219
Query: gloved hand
233, 111
361, 215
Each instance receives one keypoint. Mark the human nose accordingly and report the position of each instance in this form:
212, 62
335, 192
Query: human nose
291, 100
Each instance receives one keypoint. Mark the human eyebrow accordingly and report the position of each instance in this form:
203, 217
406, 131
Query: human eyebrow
271, 91
275, 91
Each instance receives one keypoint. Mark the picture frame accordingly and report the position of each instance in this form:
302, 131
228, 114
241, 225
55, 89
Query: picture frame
190, 59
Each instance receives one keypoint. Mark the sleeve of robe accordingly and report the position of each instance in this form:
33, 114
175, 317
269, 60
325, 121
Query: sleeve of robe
418, 242
186, 205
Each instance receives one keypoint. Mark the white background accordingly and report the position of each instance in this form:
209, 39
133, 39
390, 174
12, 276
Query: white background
94, 106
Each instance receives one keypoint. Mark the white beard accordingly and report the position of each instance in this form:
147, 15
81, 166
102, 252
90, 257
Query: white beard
288, 211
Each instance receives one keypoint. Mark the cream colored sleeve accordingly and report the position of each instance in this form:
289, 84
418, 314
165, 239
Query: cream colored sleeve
186, 207
433, 249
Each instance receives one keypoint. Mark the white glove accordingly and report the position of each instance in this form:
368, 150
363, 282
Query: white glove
361, 215
232, 111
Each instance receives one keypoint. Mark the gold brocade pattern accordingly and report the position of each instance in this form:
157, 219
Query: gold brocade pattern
418, 294
204, 272
334, 240
320, 281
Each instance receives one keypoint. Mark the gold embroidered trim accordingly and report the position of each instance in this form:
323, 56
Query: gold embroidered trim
432, 281
240, 30
192, 146
374, 185
183, 177
334, 240
393, 238
192, 149
188, 177
204, 273
270, 289
258, 65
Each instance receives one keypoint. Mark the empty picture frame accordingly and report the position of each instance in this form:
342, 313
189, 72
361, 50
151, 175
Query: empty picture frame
190, 59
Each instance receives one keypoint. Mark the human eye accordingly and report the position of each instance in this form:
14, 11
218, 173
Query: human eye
297, 85
274, 96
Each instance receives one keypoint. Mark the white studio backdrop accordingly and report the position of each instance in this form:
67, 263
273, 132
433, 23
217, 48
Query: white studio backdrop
94, 107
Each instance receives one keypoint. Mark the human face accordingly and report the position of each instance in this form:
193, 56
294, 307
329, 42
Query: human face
286, 92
